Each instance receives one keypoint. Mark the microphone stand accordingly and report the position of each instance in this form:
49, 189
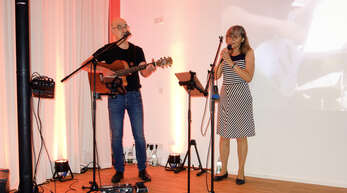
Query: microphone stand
96, 55
214, 95
94, 186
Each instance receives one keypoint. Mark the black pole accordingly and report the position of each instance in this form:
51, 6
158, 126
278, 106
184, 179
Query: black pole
93, 185
210, 84
23, 97
213, 101
189, 132
212, 134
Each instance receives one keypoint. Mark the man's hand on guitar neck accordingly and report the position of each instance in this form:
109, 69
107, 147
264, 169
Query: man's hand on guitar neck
149, 69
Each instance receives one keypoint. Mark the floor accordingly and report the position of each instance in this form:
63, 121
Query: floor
169, 182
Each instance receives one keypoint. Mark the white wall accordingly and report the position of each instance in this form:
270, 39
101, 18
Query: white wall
299, 89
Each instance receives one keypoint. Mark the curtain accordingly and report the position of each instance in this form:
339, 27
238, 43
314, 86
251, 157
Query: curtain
62, 35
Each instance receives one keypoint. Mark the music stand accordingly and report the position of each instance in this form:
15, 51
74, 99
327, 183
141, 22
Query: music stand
194, 88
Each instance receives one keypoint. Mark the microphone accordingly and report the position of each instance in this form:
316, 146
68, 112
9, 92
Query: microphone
229, 47
126, 34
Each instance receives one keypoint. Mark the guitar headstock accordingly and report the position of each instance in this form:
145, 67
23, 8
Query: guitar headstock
166, 61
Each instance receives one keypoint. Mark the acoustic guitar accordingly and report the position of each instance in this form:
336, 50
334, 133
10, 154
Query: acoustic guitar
116, 84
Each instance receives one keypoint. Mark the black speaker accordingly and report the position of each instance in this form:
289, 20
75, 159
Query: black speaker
4, 184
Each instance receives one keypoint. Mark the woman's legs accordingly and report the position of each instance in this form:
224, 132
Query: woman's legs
224, 149
242, 149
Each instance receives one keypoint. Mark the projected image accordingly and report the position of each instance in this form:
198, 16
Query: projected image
300, 48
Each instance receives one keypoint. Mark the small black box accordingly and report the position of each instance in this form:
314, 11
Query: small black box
4, 184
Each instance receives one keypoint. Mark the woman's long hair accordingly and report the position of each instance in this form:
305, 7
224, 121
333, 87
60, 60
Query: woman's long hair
237, 30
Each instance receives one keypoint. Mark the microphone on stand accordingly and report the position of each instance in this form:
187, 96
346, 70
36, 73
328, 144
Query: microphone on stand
126, 34
215, 94
122, 39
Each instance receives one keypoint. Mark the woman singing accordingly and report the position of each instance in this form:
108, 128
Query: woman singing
235, 110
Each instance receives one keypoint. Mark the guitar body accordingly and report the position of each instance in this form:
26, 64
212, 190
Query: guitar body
102, 83
117, 83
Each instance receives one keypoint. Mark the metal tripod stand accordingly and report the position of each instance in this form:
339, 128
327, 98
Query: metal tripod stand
181, 166
193, 86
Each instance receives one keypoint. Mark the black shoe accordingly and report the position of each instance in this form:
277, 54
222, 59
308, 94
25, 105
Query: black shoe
240, 182
144, 175
219, 178
117, 177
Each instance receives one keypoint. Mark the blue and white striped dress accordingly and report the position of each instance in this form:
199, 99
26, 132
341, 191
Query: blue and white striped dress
235, 109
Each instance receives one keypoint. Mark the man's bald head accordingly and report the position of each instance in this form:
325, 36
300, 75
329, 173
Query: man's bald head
119, 27
117, 21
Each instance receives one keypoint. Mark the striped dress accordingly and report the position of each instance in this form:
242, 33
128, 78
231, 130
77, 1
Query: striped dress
235, 109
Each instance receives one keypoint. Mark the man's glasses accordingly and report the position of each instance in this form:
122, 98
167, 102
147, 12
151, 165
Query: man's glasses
120, 27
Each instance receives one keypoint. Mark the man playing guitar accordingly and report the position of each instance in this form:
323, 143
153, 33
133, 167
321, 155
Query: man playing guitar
125, 54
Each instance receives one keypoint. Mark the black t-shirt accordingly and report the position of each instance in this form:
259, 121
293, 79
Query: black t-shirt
133, 56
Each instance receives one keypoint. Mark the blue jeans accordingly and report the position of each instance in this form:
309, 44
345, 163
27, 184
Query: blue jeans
132, 102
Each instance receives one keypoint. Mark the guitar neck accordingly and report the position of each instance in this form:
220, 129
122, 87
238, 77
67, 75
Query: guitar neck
132, 69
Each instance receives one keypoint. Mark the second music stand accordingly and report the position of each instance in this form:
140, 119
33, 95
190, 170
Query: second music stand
194, 88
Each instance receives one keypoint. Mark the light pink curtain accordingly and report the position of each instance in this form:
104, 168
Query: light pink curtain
62, 35
8, 112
